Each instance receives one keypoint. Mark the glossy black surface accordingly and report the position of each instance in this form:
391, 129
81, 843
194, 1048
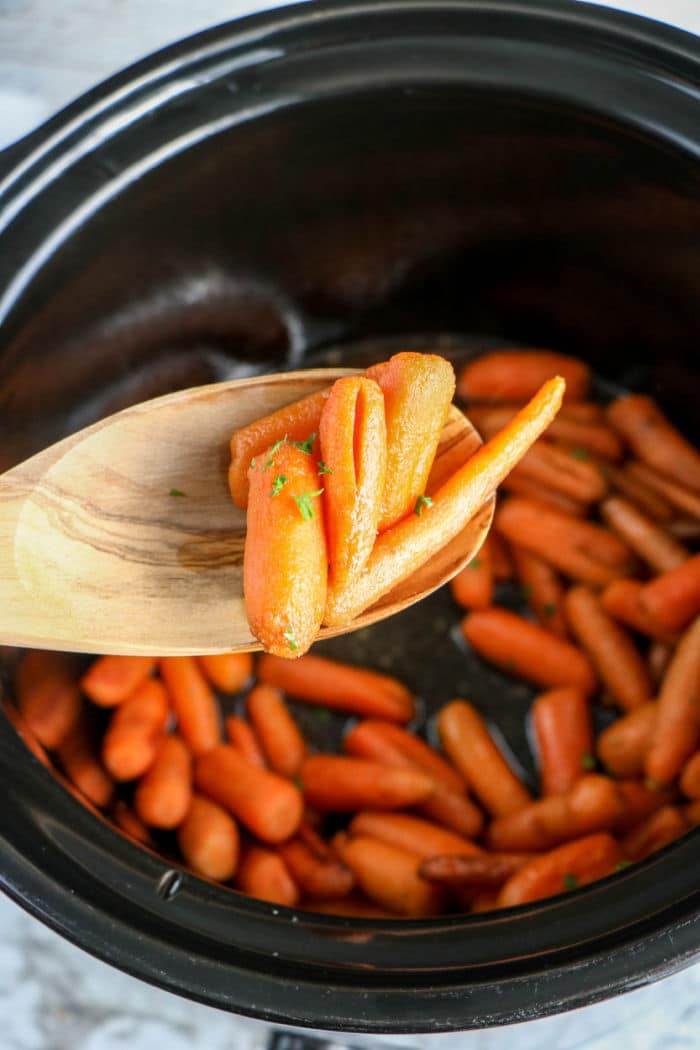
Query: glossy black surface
256, 198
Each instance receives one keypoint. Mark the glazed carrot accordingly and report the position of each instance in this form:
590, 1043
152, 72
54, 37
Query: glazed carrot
561, 720
472, 587
242, 736
25, 732
78, 755
657, 831
501, 558
658, 658
38, 665
485, 900
411, 833
296, 422
470, 747
621, 599
479, 870
650, 541
354, 452
267, 804
593, 803
337, 783
164, 794
542, 589
281, 741
574, 864
193, 701
622, 746
127, 821
388, 739
685, 529
674, 491
227, 671
48, 698
453, 452
112, 678
561, 471
129, 746
388, 875
354, 906
515, 375
677, 733
402, 549
343, 687
285, 565
691, 812
527, 650
673, 599
314, 867
208, 839
655, 440
595, 437
579, 549
584, 411
690, 777
640, 800
520, 485
644, 497
263, 874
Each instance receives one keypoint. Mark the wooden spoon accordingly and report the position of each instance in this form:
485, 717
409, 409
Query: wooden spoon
123, 538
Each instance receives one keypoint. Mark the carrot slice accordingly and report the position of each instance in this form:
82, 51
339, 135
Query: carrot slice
642, 535
338, 783
472, 587
542, 589
388, 875
677, 733
280, 738
193, 701
263, 874
112, 678
574, 864
164, 794
654, 439
622, 746
411, 833
209, 840
673, 599
130, 744
561, 721
227, 671
515, 375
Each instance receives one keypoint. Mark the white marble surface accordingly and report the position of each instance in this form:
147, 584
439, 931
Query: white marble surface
52, 995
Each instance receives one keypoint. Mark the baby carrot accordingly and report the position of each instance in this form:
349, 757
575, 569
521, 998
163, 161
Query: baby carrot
654, 439
263, 874
78, 755
354, 453
266, 803
519, 484
515, 375
574, 864
419, 836
640, 800
677, 733
691, 812
561, 721
129, 746
227, 671
622, 746
343, 687
281, 741
472, 587
475, 871
470, 747
610, 649
127, 821
682, 498
109, 680
593, 436
164, 794
48, 698
621, 599
337, 783
402, 549
658, 658
501, 557
690, 777
542, 589
24, 732
643, 496
285, 566
243, 738
673, 599
388, 875
208, 839
527, 650
645, 537
314, 867
193, 701
657, 831
561, 471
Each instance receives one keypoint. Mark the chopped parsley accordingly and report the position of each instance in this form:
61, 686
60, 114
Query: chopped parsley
570, 881
587, 761
176, 492
549, 608
526, 591
622, 864
422, 501
303, 502
307, 445
323, 468
475, 563
299, 783
652, 785
580, 453
278, 484
291, 638
277, 445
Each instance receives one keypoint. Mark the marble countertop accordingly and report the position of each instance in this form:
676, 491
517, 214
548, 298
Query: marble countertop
53, 996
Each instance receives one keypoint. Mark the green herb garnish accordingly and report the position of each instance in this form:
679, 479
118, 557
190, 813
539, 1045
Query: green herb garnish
475, 563
587, 761
277, 445
570, 881
299, 783
580, 453
278, 484
323, 468
526, 591
176, 492
303, 502
422, 501
622, 864
307, 445
291, 639
549, 608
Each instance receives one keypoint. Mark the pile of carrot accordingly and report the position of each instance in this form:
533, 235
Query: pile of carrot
600, 543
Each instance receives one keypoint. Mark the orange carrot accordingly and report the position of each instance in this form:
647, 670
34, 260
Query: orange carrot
648, 432
561, 471
594, 437
285, 565
468, 744
193, 701
621, 599
25, 732
281, 741
164, 794
520, 485
242, 736
657, 831
542, 589
227, 671
622, 746
644, 497
650, 541
685, 529
610, 649
78, 755
391, 739
127, 821
315, 868
476, 871
129, 746
483, 901
677, 733
640, 800
523, 648
263, 874
574, 864
267, 804
690, 777
561, 721
337, 783
343, 687
388, 875
501, 557
472, 587
515, 375
354, 452
691, 812
410, 833
673, 599
675, 492
208, 839
48, 697
658, 658
112, 678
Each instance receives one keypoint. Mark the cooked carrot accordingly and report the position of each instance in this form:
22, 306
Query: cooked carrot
610, 648
354, 906
472, 587
645, 537
242, 736
677, 733
164, 794
527, 650
266, 803
584, 411
193, 702
388, 875
285, 567
501, 558
690, 777
469, 745
419, 836
78, 755
48, 698
644, 497
402, 549
388, 739
37, 665
453, 452
515, 375
127, 821
654, 439
675, 492
520, 485
561, 721
658, 658
110, 679
337, 783
343, 687
263, 874
562, 471
574, 864
657, 831
542, 589
621, 599
685, 529
354, 452
594, 437
483, 901
622, 746
227, 671
314, 867
691, 812
25, 732
641, 799
673, 599
579, 549
280, 738
129, 746
208, 839
296, 422
478, 870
